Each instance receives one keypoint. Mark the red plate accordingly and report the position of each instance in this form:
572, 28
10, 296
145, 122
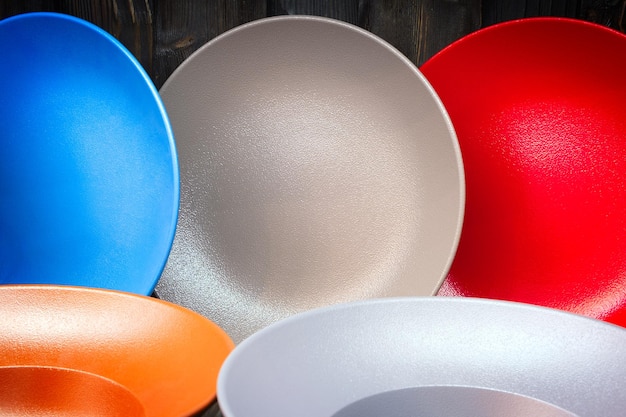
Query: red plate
539, 106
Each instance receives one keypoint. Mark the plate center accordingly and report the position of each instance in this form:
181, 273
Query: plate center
450, 401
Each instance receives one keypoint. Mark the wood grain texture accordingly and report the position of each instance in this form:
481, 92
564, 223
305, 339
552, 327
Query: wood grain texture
130, 21
610, 13
163, 33
347, 10
183, 27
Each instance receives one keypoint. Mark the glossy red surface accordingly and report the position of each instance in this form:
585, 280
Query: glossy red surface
539, 106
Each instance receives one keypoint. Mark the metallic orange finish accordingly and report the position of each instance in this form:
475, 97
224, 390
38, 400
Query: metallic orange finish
165, 355
46, 391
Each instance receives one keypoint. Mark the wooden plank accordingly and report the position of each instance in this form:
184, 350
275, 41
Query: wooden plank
181, 27
419, 29
162, 33
347, 10
227, 14
610, 13
12, 7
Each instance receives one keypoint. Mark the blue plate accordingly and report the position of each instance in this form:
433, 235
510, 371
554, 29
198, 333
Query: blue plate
89, 183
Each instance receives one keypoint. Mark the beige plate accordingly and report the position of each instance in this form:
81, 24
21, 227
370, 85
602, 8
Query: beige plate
317, 167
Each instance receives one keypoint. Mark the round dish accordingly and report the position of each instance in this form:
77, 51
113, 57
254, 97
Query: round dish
317, 167
88, 168
27, 391
538, 106
446, 350
166, 356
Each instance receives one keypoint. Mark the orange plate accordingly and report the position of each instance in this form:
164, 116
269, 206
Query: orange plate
165, 355
48, 391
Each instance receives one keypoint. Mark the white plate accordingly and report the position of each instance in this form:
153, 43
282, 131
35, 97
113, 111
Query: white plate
428, 356
317, 166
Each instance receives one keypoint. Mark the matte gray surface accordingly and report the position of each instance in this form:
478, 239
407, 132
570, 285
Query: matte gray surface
317, 167
450, 402
316, 363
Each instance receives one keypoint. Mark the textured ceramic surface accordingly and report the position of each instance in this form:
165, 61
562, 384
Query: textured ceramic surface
317, 167
450, 401
30, 391
538, 105
88, 168
166, 356
319, 362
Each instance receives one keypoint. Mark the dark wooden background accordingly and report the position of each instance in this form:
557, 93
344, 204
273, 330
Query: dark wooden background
162, 33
